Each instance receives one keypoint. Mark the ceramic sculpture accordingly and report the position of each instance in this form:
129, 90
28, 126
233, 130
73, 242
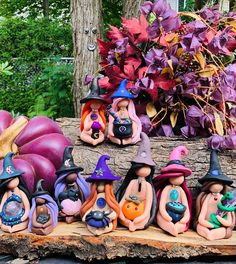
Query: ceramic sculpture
93, 121
43, 216
124, 126
101, 210
71, 190
174, 199
136, 195
215, 217
15, 205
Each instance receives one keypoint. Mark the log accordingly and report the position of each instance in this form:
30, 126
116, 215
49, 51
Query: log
197, 159
75, 240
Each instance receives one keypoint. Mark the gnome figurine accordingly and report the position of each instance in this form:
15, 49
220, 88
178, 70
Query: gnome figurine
101, 210
174, 199
15, 206
215, 218
43, 216
71, 190
124, 126
136, 195
93, 121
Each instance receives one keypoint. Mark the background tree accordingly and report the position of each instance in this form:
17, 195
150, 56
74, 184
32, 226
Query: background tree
131, 8
87, 26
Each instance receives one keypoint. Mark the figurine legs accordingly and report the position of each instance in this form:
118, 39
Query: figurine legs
100, 231
212, 234
170, 227
70, 219
123, 142
86, 137
15, 228
42, 231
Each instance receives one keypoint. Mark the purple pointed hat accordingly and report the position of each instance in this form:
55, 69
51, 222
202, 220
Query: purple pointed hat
102, 171
175, 165
144, 152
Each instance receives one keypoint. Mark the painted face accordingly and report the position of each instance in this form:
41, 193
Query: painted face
96, 104
177, 180
143, 172
40, 201
216, 188
13, 183
123, 103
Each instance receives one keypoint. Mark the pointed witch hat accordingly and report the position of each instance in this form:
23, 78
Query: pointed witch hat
102, 171
39, 189
8, 168
94, 92
122, 92
175, 165
215, 172
144, 152
68, 162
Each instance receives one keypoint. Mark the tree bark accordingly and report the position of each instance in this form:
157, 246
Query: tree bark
46, 8
131, 8
87, 24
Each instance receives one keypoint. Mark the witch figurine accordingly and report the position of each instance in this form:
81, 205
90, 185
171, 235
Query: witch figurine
71, 190
15, 205
174, 199
93, 121
124, 126
43, 216
215, 218
136, 195
101, 210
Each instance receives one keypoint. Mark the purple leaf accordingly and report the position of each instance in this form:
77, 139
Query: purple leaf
215, 141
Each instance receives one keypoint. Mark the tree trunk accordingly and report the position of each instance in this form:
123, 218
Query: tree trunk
131, 8
87, 27
46, 8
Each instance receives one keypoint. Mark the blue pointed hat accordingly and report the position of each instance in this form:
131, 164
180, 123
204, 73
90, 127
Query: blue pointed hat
215, 172
8, 168
102, 171
122, 92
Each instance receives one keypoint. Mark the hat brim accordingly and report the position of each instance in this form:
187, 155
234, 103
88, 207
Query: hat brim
69, 169
7, 180
103, 178
86, 99
39, 193
177, 168
143, 162
220, 178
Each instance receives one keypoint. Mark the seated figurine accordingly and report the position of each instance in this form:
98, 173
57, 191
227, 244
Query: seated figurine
124, 126
136, 195
174, 199
43, 216
101, 210
215, 217
15, 206
93, 121
71, 190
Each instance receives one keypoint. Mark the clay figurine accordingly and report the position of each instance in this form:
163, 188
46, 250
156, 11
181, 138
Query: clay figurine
136, 195
15, 206
124, 126
43, 216
71, 190
101, 210
215, 217
93, 121
174, 199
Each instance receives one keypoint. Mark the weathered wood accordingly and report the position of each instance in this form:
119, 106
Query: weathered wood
75, 240
197, 160
87, 24
131, 8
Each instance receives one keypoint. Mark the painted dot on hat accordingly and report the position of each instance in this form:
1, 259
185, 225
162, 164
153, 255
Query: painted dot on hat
144, 154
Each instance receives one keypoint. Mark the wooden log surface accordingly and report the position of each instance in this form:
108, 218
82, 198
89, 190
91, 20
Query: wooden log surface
75, 240
197, 159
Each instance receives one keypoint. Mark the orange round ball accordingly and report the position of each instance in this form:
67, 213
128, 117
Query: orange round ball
132, 210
